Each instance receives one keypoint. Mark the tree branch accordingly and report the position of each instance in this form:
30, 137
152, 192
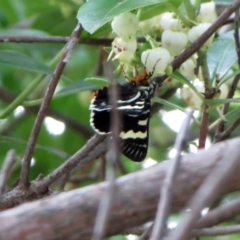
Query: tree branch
59, 39
204, 126
23, 181
220, 214
135, 200
217, 231
39, 187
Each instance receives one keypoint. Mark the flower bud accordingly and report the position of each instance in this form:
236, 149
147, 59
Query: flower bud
125, 25
156, 60
188, 67
207, 12
124, 50
195, 32
224, 88
174, 42
168, 22
190, 97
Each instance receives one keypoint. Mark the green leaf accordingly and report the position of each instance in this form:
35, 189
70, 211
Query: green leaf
220, 101
227, 77
167, 103
92, 84
233, 113
17, 59
95, 13
175, 3
221, 57
98, 81
151, 11
76, 87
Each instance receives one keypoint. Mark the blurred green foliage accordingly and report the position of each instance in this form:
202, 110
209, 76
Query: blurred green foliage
58, 18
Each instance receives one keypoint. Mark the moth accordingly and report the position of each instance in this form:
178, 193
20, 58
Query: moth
134, 106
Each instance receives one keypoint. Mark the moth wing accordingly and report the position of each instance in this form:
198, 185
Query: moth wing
134, 135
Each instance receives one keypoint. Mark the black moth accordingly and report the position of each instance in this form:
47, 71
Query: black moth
134, 105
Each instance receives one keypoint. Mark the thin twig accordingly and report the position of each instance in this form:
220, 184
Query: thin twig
135, 231
221, 214
216, 231
202, 60
209, 191
204, 127
106, 199
122, 168
87, 153
63, 181
230, 129
81, 178
147, 233
113, 156
236, 34
103, 167
6, 169
167, 188
23, 182
59, 39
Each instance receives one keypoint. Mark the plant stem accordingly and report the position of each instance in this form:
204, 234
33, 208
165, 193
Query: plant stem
204, 127
202, 55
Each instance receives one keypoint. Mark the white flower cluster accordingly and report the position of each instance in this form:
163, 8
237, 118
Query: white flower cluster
175, 38
125, 26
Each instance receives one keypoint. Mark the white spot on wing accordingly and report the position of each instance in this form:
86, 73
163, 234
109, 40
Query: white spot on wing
142, 122
130, 107
131, 99
131, 134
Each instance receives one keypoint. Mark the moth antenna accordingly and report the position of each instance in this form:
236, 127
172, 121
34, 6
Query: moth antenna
154, 67
146, 60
